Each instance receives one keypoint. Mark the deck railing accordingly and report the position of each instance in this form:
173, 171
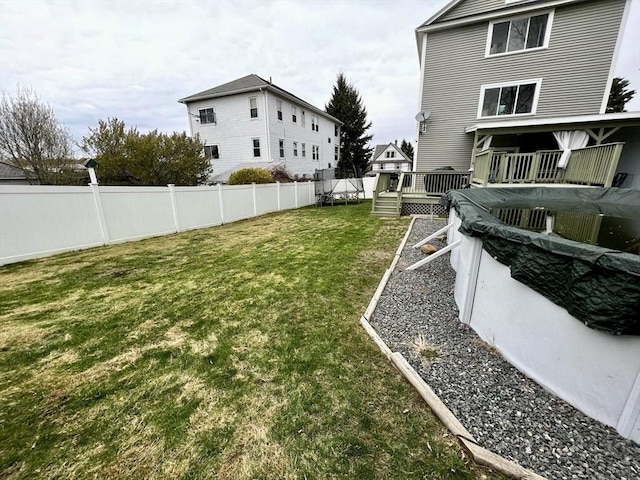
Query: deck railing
587, 166
434, 183
593, 165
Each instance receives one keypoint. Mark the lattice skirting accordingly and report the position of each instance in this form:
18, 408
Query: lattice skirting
423, 209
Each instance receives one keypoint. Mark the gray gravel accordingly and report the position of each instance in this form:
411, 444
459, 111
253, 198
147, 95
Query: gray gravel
504, 410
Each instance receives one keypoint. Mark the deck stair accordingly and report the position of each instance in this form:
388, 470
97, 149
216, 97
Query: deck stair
386, 206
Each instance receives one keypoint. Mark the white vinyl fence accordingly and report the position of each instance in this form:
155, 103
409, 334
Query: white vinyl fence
36, 221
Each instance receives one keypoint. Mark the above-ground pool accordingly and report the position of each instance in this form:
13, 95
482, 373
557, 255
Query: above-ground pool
551, 278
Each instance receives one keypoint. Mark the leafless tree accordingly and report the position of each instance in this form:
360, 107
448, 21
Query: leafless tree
32, 140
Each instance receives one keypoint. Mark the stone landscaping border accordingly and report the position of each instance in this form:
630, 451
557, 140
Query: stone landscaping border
480, 455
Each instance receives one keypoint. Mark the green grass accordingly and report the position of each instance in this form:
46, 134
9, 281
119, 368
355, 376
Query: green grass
233, 353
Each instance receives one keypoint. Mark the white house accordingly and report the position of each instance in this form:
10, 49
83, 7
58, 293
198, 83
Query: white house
390, 158
250, 122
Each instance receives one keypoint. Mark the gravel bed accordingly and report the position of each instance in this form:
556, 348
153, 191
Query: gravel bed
504, 410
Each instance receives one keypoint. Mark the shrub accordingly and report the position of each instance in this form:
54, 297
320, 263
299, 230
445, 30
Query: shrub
247, 176
280, 174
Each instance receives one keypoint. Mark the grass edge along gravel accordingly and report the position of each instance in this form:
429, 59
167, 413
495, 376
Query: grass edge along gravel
232, 352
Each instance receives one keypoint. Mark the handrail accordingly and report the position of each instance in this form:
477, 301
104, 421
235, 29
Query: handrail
432, 182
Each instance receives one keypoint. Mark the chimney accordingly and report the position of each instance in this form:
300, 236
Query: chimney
396, 143
270, 82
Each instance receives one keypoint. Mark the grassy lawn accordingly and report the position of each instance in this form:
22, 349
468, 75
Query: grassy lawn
232, 352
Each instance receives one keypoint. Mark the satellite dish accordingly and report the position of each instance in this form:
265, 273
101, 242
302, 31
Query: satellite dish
422, 116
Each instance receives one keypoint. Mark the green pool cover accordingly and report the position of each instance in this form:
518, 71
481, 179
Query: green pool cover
599, 286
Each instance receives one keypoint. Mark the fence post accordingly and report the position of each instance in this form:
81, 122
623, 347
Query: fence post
174, 205
100, 211
278, 188
310, 194
295, 192
255, 205
221, 202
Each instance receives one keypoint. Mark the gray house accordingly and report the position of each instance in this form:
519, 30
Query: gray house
507, 74
515, 91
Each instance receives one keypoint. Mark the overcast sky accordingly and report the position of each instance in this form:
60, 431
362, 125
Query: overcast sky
133, 60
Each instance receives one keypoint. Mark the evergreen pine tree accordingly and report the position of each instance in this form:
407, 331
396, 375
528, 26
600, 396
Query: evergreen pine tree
346, 105
407, 149
619, 95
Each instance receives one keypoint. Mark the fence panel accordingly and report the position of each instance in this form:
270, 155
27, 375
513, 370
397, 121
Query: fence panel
57, 219
266, 198
132, 213
287, 196
237, 202
197, 207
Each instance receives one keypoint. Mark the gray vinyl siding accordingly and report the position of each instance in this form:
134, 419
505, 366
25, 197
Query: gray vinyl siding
574, 71
473, 7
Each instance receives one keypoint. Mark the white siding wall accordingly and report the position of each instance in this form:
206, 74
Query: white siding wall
294, 132
233, 130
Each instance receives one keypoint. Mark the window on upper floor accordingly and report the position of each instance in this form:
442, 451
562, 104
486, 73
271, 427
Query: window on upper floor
315, 152
518, 98
207, 115
303, 120
256, 147
518, 34
336, 152
391, 154
253, 107
281, 146
336, 130
295, 149
304, 150
212, 152
314, 123
279, 109
294, 114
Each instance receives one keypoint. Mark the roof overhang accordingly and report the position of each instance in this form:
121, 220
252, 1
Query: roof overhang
552, 123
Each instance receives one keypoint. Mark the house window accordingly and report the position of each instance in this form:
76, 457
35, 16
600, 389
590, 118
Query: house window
517, 34
303, 120
207, 115
391, 154
256, 147
212, 152
315, 152
294, 114
253, 107
281, 145
509, 99
335, 153
279, 109
304, 150
314, 123
328, 139
336, 130
295, 149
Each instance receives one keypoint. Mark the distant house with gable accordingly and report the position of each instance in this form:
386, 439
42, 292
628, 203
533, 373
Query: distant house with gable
389, 157
250, 122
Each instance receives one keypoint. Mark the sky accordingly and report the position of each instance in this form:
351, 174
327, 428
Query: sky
91, 60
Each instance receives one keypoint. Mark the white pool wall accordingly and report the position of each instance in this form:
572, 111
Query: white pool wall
594, 371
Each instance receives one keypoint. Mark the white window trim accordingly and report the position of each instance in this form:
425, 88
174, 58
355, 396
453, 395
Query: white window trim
279, 110
547, 34
281, 147
215, 116
253, 148
210, 146
257, 111
534, 107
